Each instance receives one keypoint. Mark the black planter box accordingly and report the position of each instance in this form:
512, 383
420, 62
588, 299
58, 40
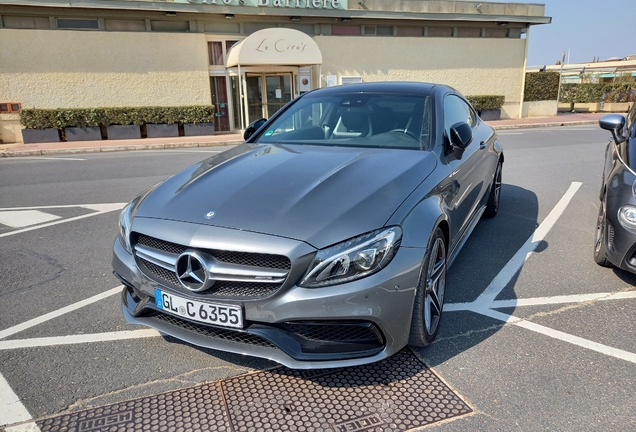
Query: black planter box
162, 130
116, 132
30, 136
490, 115
194, 129
83, 134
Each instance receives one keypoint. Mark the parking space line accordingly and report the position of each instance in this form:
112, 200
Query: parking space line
77, 339
12, 410
516, 262
98, 208
55, 158
49, 316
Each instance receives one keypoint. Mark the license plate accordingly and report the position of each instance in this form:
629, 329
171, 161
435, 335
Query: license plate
203, 312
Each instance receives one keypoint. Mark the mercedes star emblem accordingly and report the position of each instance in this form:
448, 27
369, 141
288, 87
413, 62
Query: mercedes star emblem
192, 271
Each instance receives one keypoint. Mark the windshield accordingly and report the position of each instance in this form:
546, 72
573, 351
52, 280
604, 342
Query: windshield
354, 120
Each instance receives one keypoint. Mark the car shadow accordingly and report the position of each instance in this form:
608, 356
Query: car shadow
490, 247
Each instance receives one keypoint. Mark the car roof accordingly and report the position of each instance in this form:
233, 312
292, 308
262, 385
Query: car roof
417, 88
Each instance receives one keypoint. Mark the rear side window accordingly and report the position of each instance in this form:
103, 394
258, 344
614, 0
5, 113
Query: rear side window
631, 121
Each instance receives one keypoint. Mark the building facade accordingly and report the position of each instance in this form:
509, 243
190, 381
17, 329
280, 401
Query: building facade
250, 57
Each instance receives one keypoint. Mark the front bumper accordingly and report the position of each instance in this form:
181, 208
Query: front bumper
344, 325
621, 242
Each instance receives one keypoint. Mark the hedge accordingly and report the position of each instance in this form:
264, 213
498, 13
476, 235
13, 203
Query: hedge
35, 118
541, 86
584, 92
486, 102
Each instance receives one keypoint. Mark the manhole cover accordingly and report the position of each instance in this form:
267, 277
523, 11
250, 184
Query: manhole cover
399, 393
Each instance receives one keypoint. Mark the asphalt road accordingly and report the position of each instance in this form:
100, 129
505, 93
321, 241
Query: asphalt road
545, 347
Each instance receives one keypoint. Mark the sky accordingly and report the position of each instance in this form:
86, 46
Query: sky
585, 28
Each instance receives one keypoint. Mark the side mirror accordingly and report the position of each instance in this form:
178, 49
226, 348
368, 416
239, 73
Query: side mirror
615, 124
253, 128
461, 135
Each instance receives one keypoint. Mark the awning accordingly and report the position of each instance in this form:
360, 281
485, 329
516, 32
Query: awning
275, 46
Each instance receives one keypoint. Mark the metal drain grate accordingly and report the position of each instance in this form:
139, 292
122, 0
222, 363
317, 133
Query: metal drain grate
399, 393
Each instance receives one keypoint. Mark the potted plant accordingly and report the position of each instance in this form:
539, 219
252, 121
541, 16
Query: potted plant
161, 122
488, 106
40, 125
81, 124
123, 123
197, 120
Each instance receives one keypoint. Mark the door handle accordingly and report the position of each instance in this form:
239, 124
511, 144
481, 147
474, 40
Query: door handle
482, 145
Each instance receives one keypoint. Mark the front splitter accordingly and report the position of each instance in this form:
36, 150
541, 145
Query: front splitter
399, 393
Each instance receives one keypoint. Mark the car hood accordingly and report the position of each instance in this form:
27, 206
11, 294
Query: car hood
316, 194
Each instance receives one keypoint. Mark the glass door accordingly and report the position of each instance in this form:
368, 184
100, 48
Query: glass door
266, 94
279, 92
219, 99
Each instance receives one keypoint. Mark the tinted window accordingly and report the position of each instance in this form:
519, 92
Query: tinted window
631, 121
456, 110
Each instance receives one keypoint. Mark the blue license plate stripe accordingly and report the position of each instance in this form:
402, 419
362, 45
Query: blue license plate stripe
158, 298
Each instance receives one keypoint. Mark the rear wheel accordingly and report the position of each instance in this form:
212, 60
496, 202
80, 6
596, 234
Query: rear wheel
492, 207
600, 246
429, 299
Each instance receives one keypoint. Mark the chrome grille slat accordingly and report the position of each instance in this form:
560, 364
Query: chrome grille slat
242, 275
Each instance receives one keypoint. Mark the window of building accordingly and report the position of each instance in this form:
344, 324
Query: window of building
170, 26
410, 31
77, 24
496, 33
215, 53
222, 27
384, 30
305, 28
26, 22
343, 30
440, 32
468, 32
9, 107
124, 25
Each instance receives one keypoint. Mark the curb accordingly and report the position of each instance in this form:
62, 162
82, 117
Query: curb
541, 125
107, 149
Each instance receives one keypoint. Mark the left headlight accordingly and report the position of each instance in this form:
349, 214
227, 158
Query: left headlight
125, 222
126, 218
627, 216
353, 259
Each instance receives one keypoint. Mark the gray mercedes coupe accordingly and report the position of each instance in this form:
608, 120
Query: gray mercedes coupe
322, 241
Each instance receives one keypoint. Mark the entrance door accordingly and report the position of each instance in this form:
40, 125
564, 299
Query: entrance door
267, 93
219, 99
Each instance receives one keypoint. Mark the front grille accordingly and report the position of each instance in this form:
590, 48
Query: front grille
338, 333
220, 289
278, 262
214, 332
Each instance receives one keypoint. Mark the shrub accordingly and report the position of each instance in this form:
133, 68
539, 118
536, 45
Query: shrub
541, 86
486, 102
584, 92
85, 117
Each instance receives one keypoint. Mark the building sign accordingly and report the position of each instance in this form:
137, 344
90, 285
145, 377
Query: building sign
287, 4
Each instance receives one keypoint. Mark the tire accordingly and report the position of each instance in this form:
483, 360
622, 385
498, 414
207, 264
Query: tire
600, 244
492, 207
429, 298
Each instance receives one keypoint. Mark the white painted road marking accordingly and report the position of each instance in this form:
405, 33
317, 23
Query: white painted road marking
11, 409
98, 208
55, 158
516, 262
78, 339
49, 316
24, 218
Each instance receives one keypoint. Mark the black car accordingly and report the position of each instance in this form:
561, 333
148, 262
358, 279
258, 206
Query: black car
324, 240
616, 225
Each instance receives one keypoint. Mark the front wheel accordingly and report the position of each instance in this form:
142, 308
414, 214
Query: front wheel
492, 207
600, 246
429, 299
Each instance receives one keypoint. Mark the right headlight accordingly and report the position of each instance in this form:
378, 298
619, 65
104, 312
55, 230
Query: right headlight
126, 218
353, 259
627, 216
